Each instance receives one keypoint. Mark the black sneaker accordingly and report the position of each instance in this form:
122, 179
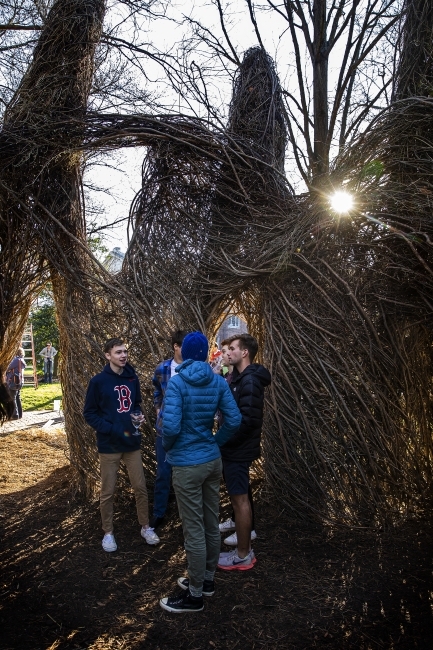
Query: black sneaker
182, 603
208, 586
155, 522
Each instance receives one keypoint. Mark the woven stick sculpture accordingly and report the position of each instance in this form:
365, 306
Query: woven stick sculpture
349, 322
41, 191
341, 306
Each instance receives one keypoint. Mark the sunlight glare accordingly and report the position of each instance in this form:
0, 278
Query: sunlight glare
341, 202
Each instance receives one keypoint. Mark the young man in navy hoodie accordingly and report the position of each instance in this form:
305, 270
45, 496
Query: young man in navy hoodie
112, 396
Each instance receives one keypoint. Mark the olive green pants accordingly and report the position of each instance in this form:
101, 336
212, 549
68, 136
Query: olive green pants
197, 490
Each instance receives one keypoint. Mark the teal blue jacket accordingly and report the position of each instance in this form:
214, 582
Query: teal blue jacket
192, 398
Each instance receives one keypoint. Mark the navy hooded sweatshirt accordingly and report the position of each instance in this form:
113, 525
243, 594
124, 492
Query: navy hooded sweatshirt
109, 401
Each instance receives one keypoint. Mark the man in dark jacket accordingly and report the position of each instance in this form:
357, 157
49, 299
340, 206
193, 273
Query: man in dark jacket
193, 397
248, 388
112, 396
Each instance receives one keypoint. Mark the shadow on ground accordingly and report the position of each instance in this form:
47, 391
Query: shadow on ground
311, 587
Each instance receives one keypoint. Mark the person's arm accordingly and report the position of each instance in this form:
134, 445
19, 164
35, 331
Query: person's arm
172, 420
157, 390
42, 353
232, 417
251, 413
21, 367
91, 411
54, 352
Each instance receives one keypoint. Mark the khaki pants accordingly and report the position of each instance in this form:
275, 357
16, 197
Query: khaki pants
109, 466
197, 490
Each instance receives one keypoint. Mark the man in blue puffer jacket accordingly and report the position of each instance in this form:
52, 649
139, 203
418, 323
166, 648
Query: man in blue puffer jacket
192, 398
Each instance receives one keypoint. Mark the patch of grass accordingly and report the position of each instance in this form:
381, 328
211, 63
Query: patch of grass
42, 398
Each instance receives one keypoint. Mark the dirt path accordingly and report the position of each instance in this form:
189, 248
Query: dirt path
311, 587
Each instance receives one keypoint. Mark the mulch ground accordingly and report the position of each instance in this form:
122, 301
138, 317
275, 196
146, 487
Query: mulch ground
312, 587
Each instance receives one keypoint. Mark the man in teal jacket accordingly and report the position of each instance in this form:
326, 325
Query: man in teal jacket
192, 398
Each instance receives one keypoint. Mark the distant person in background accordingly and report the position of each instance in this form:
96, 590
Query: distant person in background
164, 371
215, 359
15, 381
7, 404
48, 353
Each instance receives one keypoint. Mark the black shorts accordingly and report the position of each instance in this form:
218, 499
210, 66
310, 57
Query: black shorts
236, 476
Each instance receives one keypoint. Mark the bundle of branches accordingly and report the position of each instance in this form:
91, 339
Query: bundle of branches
332, 300
415, 70
350, 321
350, 341
208, 219
41, 220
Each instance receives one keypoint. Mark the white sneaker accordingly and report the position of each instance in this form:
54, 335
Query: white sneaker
232, 561
149, 535
233, 539
109, 543
227, 525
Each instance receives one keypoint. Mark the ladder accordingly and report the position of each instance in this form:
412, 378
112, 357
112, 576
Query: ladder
28, 345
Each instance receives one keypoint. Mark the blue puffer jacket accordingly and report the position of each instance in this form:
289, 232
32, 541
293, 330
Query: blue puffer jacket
192, 398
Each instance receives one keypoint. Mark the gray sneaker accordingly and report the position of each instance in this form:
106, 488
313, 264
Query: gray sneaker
233, 539
232, 562
227, 525
150, 536
109, 543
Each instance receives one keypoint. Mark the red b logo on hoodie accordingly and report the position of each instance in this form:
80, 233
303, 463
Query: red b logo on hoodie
124, 397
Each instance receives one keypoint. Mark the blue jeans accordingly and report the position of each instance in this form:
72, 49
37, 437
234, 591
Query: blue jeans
162, 481
18, 409
48, 371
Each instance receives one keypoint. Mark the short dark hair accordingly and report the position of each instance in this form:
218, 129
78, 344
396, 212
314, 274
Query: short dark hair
111, 343
177, 337
227, 341
246, 342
